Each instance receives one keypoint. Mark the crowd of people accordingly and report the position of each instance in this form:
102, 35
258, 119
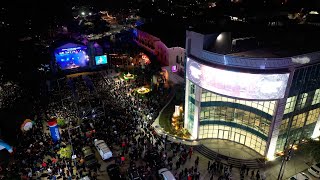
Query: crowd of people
9, 92
36, 155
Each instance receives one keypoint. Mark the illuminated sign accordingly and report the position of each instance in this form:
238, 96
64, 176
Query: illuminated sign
101, 60
237, 84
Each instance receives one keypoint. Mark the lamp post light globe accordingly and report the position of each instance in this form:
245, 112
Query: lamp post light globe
220, 37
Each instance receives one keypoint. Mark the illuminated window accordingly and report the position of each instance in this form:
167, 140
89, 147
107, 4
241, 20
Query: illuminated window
316, 97
284, 125
313, 116
290, 104
265, 106
298, 121
302, 101
192, 88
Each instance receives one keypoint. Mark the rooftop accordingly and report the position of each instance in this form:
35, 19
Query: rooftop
260, 41
172, 34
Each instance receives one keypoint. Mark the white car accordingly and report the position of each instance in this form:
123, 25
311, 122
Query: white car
315, 170
103, 149
165, 174
301, 176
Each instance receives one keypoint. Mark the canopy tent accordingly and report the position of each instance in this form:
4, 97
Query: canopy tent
6, 146
26, 125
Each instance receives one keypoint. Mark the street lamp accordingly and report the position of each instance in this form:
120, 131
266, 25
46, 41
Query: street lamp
83, 13
220, 37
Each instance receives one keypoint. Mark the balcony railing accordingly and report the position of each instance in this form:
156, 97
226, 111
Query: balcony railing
261, 63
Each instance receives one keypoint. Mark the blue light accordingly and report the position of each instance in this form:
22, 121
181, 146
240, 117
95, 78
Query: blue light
135, 32
101, 60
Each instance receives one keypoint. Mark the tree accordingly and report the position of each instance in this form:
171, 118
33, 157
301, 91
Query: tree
61, 122
65, 152
312, 149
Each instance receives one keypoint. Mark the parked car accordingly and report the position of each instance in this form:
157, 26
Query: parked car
301, 176
103, 149
315, 170
89, 157
165, 174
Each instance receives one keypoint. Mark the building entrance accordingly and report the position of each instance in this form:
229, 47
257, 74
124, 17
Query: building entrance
223, 134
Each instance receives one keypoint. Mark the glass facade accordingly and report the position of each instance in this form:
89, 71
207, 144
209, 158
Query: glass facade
242, 121
302, 108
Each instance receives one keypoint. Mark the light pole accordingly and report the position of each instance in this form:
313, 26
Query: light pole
73, 157
286, 158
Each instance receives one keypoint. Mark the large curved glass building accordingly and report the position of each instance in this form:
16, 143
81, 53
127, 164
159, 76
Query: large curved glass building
254, 96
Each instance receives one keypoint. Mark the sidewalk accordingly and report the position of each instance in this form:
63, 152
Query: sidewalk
298, 163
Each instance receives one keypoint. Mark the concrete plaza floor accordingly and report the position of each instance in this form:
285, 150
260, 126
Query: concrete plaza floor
230, 149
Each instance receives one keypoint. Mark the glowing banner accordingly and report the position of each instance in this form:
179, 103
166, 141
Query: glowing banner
237, 84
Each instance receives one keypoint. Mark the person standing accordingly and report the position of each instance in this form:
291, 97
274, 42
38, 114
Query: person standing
190, 153
258, 175
196, 161
252, 174
208, 168
197, 175
177, 164
230, 168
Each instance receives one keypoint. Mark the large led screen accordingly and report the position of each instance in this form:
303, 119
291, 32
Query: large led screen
101, 60
237, 84
70, 58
